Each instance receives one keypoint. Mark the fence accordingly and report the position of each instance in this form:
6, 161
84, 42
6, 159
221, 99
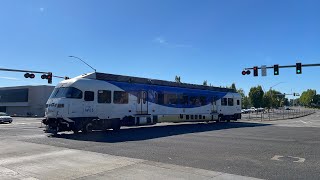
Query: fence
277, 114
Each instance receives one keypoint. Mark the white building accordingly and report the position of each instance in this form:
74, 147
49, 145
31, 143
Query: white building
24, 100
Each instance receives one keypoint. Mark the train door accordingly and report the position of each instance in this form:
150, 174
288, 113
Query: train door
142, 104
214, 105
89, 104
75, 108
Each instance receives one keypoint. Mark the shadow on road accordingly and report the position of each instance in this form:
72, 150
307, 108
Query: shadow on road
152, 132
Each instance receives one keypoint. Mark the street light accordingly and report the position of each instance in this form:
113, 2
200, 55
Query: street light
83, 62
271, 91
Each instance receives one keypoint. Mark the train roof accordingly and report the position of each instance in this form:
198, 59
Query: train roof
132, 79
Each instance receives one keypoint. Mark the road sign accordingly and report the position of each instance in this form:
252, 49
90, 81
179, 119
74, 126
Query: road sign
263, 70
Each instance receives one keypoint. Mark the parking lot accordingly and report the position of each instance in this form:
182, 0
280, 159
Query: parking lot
286, 149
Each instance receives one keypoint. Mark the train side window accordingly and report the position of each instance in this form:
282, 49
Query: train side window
194, 100
88, 95
238, 102
171, 99
104, 96
230, 101
224, 101
160, 98
203, 100
183, 99
120, 97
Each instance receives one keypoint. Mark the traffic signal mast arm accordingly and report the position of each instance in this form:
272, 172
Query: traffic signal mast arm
286, 66
29, 71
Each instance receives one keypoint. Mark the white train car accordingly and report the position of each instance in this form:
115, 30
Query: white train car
99, 101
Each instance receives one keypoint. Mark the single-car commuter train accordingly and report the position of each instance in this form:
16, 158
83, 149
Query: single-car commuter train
100, 101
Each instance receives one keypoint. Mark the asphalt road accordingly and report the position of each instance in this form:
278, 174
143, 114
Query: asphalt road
284, 149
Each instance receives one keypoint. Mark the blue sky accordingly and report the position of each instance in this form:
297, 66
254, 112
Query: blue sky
198, 40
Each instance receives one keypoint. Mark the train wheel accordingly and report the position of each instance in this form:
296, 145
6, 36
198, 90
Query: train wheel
75, 131
88, 128
116, 125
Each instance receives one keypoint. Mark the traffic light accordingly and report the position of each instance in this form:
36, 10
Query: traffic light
29, 75
47, 76
245, 72
255, 71
298, 68
294, 94
276, 69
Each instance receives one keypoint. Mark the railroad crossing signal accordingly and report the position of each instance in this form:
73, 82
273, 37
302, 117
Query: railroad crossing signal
276, 69
298, 68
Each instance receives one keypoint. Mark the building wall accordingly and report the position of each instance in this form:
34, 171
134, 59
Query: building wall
37, 98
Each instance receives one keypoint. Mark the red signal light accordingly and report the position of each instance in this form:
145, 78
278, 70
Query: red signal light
29, 75
255, 71
244, 72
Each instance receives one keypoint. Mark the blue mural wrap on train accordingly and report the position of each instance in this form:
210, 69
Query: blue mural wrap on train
154, 90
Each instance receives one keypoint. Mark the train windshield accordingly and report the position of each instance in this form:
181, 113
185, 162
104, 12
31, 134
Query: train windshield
66, 92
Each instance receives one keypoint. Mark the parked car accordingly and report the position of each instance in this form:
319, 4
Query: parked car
253, 109
260, 109
5, 118
286, 108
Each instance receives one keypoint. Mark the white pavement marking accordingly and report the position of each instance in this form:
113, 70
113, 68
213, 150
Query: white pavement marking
277, 158
22, 160
303, 122
298, 159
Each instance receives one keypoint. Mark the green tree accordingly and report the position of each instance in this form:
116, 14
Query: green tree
308, 97
205, 83
241, 92
233, 86
273, 98
246, 103
256, 96
178, 79
244, 99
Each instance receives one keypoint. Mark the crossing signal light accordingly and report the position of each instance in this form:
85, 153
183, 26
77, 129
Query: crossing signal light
245, 72
29, 75
298, 68
276, 69
255, 71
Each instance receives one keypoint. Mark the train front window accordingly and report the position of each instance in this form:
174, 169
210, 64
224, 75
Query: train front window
66, 92
230, 101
